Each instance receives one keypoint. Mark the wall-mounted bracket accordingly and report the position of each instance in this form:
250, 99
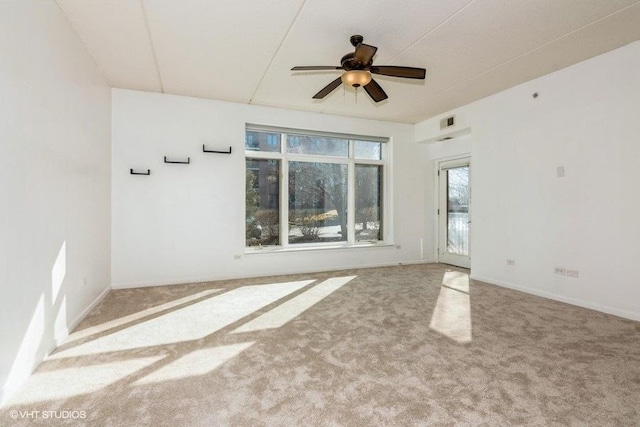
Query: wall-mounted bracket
177, 162
132, 172
204, 150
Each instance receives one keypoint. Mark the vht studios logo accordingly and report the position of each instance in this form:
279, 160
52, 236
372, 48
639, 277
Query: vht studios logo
60, 415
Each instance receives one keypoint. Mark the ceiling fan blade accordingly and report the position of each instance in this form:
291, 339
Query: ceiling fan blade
364, 53
316, 68
328, 89
406, 72
375, 91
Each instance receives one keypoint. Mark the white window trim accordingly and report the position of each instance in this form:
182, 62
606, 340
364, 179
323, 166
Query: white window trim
285, 158
303, 247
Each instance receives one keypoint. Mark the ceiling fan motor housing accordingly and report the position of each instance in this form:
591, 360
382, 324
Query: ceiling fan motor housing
349, 62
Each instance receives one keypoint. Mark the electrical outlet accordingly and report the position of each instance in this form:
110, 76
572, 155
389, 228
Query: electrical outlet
560, 270
573, 273
237, 257
511, 262
398, 246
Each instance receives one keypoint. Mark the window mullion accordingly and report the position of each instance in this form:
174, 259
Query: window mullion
262, 155
316, 158
387, 214
370, 162
284, 193
351, 196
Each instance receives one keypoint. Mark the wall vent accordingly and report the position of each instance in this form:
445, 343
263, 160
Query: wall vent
447, 122
446, 138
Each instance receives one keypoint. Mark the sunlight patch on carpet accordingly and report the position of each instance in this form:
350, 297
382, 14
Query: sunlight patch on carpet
291, 309
452, 314
198, 362
137, 316
189, 323
66, 383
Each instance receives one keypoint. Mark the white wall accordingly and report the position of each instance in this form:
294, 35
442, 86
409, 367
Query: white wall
54, 186
585, 119
186, 223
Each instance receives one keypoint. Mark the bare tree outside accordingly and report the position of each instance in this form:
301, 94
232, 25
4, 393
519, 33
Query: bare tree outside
368, 202
458, 210
317, 201
262, 202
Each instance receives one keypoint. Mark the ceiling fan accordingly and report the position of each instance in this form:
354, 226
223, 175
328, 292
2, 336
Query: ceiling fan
358, 68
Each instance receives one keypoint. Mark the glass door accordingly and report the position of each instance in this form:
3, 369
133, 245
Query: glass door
454, 222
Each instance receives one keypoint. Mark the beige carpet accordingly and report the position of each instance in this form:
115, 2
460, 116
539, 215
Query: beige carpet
398, 346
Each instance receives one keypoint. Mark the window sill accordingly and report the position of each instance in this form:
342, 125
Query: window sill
304, 248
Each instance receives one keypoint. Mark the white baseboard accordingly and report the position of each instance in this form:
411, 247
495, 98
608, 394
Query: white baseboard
631, 315
79, 318
180, 281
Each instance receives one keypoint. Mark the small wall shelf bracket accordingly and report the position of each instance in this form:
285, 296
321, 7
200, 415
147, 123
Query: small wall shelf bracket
178, 162
132, 172
204, 150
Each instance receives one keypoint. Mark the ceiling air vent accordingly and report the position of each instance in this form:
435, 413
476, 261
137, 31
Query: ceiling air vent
447, 122
446, 138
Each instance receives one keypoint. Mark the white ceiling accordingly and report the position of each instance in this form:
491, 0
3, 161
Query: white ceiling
243, 50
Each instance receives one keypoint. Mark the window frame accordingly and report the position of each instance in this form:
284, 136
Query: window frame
285, 158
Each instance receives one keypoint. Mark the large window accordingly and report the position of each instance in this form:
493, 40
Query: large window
305, 188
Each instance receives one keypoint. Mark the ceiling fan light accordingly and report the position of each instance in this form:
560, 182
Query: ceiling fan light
356, 78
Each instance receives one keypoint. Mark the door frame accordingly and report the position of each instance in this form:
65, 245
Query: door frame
440, 225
